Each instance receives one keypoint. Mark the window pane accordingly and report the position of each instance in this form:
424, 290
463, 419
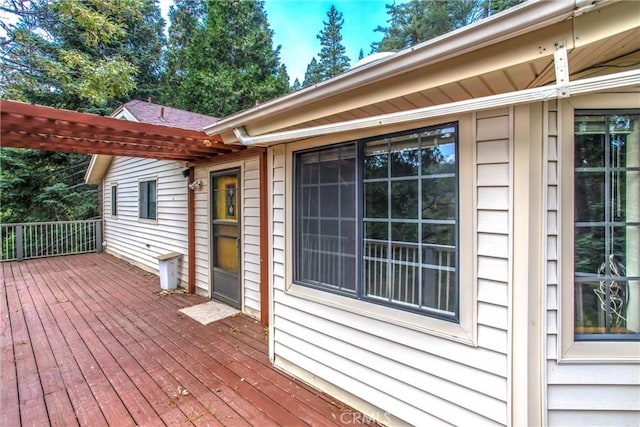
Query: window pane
439, 234
325, 218
152, 200
405, 156
401, 232
376, 269
330, 169
376, 160
142, 199
438, 289
438, 154
590, 251
590, 150
329, 200
376, 231
404, 199
114, 200
589, 196
376, 200
439, 198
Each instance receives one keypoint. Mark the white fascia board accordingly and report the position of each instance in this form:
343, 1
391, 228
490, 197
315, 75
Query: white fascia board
510, 23
97, 168
578, 87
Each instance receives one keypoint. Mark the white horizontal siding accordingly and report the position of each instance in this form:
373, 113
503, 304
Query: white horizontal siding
140, 241
584, 394
418, 377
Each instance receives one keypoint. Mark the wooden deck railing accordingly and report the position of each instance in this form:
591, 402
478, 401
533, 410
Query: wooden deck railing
47, 239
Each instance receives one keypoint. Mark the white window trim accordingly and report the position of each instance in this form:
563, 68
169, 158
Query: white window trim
571, 350
141, 219
465, 331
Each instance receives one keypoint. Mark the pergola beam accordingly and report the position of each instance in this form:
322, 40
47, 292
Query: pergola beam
45, 128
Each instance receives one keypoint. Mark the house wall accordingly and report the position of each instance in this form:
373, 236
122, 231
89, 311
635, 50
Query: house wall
594, 390
381, 360
137, 240
250, 224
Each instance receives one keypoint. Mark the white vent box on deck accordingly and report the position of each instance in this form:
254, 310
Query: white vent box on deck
168, 269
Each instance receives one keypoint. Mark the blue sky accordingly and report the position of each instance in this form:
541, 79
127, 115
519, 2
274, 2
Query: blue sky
296, 23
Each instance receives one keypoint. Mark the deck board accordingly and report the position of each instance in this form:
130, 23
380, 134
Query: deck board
90, 340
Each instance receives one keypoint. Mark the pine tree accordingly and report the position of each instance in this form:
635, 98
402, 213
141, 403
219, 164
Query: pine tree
313, 74
421, 20
185, 16
332, 59
296, 85
229, 62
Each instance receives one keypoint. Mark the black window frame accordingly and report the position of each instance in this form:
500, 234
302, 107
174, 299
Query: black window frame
148, 207
360, 293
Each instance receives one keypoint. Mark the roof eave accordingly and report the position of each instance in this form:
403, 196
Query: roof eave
510, 23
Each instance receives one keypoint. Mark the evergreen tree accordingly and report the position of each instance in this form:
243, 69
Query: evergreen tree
229, 62
360, 54
81, 55
313, 74
185, 17
332, 59
296, 85
44, 186
421, 20
142, 47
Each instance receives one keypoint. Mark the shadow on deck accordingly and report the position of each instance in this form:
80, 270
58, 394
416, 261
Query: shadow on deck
89, 340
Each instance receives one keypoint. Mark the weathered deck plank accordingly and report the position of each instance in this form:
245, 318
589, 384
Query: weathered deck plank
89, 340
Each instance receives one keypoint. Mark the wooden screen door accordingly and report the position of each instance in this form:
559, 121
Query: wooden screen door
225, 187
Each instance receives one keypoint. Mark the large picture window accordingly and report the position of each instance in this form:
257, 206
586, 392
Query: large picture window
377, 220
147, 199
607, 225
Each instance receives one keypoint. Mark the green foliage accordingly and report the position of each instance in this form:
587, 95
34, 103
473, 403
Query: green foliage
228, 62
44, 186
332, 59
313, 74
184, 18
296, 85
420, 20
82, 55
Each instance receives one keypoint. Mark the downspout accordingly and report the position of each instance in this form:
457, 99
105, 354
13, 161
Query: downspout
191, 235
264, 241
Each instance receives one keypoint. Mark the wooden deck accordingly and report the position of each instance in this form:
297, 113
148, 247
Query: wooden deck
89, 340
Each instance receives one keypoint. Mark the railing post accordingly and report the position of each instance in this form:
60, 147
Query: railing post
19, 247
99, 236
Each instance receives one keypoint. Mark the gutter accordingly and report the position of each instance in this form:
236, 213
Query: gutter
510, 23
594, 84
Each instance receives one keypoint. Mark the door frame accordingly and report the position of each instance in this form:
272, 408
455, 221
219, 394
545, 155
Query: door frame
230, 169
